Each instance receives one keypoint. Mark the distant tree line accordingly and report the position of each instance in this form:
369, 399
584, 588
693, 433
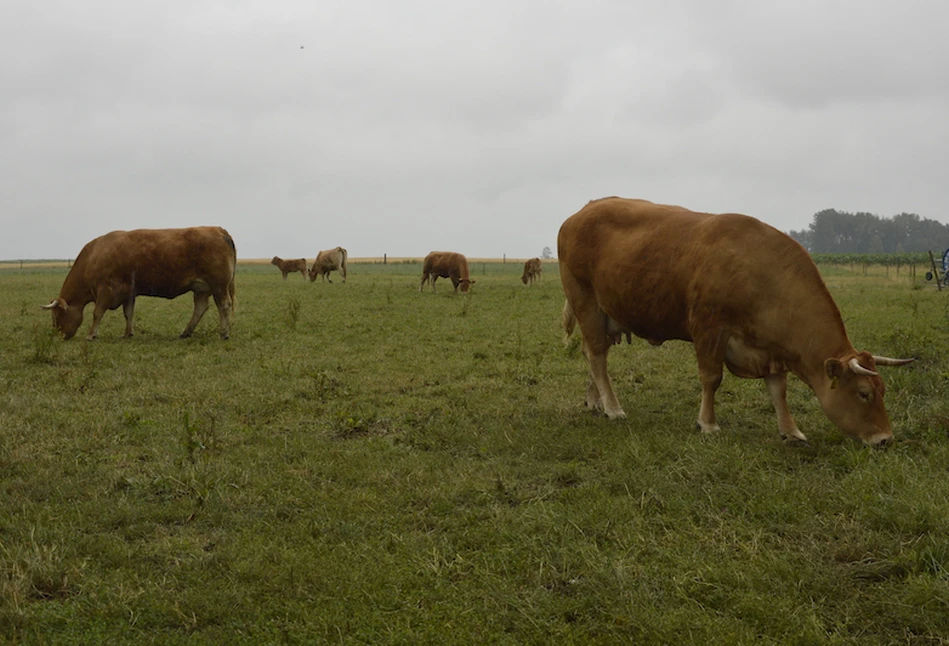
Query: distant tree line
834, 231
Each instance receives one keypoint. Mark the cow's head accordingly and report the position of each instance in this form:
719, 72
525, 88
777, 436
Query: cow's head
312, 273
464, 283
66, 319
852, 397
524, 277
275, 261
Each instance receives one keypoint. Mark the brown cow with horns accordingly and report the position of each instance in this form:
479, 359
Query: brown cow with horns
446, 264
745, 294
115, 268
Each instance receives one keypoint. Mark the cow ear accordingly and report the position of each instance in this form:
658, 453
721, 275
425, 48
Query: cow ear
472, 282
834, 369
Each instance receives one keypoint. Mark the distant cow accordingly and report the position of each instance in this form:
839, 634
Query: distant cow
745, 294
446, 264
532, 270
290, 266
327, 261
115, 268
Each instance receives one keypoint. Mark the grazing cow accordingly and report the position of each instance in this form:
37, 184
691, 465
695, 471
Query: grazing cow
745, 294
327, 261
532, 270
446, 264
115, 268
290, 266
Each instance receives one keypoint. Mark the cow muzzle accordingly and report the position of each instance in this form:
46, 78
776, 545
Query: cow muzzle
880, 440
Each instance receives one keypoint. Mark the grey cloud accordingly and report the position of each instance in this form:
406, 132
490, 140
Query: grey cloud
380, 126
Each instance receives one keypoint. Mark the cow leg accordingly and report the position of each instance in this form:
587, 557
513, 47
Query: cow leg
593, 322
422, 284
600, 381
224, 307
97, 313
595, 347
433, 279
710, 383
711, 359
593, 401
201, 303
778, 387
128, 308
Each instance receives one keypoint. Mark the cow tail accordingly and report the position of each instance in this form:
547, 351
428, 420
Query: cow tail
344, 254
568, 320
231, 289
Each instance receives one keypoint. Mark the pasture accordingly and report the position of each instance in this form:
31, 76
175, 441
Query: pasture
362, 464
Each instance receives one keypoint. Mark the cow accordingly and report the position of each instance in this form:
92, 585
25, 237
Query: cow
745, 294
533, 268
115, 268
329, 260
290, 266
446, 264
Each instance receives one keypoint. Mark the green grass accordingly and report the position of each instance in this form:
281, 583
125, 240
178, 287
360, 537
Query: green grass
361, 463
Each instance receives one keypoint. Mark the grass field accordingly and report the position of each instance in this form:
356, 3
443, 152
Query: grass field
363, 464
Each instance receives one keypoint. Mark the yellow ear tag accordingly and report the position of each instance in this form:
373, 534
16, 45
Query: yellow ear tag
833, 383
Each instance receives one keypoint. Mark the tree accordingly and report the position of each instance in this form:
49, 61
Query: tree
546, 254
833, 231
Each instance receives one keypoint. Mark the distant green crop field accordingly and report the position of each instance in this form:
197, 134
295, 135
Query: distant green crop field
362, 463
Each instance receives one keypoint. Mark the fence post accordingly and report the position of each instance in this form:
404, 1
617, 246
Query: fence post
935, 273
383, 259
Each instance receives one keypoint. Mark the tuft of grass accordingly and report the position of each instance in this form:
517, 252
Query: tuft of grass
43, 341
292, 312
199, 436
36, 571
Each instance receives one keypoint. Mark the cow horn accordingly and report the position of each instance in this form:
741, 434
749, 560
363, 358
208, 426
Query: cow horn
887, 361
860, 370
51, 305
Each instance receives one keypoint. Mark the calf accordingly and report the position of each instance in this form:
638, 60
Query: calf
290, 266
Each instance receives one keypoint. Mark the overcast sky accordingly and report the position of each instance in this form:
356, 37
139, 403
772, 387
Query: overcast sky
473, 126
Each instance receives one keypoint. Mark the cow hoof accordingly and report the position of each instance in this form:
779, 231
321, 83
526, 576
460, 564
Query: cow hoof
620, 414
707, 428
795, 438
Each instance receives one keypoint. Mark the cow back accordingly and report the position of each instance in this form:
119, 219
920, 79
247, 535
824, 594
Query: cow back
662, 270
154, 262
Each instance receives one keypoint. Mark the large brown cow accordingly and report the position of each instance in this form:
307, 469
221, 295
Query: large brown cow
290, 266
115, 268
327, 261
745, 294
532, 270
446, 264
